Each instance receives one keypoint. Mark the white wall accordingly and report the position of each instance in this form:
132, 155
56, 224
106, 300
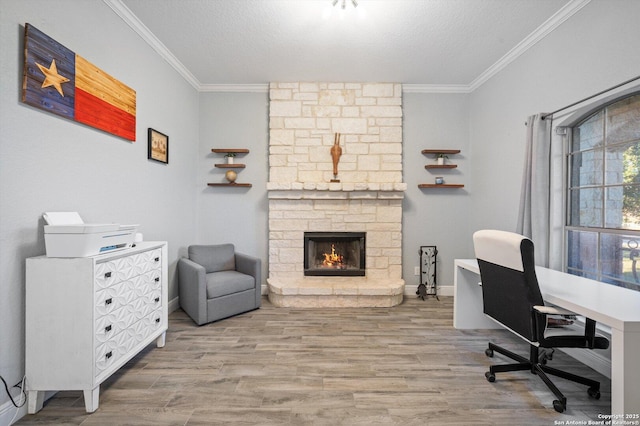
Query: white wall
234, 215
594, 50
52, 164
436, 216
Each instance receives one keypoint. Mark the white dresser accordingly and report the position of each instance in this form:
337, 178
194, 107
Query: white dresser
86, 317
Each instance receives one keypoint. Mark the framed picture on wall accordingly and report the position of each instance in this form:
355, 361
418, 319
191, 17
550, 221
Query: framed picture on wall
158, 146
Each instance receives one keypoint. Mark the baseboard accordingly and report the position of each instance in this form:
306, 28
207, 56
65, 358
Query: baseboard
174, 304
8, 414
443, 290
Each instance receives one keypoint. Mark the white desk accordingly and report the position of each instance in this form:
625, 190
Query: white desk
614, 306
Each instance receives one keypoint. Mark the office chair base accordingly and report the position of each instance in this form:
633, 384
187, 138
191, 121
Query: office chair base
536, 365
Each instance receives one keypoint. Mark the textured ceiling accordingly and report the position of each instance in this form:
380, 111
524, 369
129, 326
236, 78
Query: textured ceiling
433, 42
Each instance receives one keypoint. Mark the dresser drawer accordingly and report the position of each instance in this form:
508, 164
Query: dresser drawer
144, 284
109, 325
143, 306
110, 351
113, 298
124, 268
107, 353
120, 306
146, 326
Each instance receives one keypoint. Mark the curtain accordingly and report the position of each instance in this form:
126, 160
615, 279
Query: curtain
534, 214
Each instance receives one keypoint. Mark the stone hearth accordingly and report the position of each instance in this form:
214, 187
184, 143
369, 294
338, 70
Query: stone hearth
304, 118
345, 292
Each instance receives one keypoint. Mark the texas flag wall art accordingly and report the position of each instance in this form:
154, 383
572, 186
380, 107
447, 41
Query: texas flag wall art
61, 82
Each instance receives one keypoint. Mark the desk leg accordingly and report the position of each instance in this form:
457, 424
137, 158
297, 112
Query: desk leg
625, 372
467, 302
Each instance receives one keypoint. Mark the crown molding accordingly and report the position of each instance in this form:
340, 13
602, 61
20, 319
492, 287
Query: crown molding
132, 20
567, 11
436, 88
243, 88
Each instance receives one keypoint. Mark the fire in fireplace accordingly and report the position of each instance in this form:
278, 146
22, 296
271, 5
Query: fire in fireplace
334, 253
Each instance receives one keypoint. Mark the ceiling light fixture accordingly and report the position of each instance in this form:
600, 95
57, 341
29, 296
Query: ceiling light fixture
343, 3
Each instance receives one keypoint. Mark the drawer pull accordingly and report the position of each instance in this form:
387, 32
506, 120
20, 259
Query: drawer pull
107, 275
157, 319
108, 301
107, 329
157, 279
157, 299
108, 355
157, 259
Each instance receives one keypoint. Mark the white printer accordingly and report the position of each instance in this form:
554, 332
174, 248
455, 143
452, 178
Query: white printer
66, 235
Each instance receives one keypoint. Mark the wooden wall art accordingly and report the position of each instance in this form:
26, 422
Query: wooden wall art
61, 82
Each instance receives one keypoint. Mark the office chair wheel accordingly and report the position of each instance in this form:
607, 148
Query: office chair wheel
594, 393
490, 376
559, 406
489, 353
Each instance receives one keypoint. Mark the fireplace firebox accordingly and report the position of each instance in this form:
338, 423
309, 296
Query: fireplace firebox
334, 253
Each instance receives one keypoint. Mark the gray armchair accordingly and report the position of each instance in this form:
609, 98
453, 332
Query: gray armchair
215, 282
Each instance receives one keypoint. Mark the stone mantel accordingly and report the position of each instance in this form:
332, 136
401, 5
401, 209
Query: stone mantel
335, 191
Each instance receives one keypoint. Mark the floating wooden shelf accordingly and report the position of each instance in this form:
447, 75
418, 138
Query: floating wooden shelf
440, 185
440, 166
230, 166
441, 151
230, 150
244, 185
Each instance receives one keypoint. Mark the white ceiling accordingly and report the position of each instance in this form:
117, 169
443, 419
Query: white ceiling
445, 44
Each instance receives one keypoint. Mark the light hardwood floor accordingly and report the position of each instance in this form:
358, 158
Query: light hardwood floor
405, 365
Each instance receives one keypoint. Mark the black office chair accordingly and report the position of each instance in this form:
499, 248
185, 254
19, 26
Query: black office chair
511, 297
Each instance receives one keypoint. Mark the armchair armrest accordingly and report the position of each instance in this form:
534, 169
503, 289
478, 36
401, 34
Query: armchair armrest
251, 266
192, 288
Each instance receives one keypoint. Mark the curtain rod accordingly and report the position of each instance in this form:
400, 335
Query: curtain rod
550, 114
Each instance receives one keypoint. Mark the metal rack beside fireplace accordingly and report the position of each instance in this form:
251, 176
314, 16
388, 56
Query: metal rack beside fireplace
334, 253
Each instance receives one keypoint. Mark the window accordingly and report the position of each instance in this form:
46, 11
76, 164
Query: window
603, 223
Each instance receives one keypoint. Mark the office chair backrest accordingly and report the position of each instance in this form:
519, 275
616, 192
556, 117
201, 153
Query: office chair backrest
509, 284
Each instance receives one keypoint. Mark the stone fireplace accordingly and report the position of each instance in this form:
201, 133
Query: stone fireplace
306, 199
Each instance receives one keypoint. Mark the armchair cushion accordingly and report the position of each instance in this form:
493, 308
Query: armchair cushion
224, 283
214, 258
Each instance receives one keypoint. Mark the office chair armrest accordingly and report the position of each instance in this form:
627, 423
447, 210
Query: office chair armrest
589, 339
552, 310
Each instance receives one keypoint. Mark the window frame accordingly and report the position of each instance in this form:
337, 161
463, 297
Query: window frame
569, 130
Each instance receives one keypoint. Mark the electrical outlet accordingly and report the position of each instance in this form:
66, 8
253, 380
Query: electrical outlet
416, 270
